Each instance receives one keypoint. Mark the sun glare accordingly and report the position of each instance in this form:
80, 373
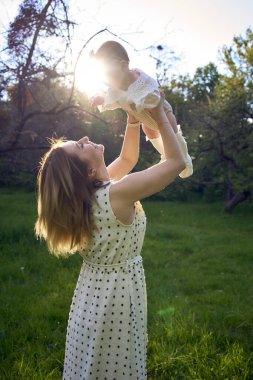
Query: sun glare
89, 76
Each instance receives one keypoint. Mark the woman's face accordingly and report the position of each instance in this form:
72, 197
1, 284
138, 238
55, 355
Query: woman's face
86, 150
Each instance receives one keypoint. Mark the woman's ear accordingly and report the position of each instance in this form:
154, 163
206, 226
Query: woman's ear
92, 172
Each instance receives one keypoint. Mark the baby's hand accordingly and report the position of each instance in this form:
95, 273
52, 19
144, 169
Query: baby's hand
97, 101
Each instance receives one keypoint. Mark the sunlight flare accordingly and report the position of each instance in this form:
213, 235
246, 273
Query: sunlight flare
89, 76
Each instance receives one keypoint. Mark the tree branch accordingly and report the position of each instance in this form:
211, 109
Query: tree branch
22, 76
221, 146
52, 111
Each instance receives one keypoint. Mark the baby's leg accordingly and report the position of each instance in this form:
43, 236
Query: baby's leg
187, 172
150, 133
156, 140
155, 137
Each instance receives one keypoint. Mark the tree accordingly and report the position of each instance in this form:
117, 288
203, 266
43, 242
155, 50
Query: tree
235, 97
26, 60
216, 112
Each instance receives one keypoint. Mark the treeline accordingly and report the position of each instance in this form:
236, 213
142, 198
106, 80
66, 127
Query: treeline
214, 108
216, 113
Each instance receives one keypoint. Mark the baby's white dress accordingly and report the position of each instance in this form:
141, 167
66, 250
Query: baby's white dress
143, 92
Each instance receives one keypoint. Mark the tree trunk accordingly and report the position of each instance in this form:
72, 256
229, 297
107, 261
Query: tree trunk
236, 199
230, 192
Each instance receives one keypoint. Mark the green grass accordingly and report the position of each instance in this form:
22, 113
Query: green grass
198, 265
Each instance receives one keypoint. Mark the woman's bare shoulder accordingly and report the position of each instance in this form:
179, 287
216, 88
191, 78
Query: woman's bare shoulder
124, 210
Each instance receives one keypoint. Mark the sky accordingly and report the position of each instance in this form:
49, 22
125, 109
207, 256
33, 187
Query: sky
194, 29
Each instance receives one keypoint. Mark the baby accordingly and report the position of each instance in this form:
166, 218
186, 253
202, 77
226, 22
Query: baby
135, 92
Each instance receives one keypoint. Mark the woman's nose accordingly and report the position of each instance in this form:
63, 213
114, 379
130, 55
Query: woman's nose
84, 139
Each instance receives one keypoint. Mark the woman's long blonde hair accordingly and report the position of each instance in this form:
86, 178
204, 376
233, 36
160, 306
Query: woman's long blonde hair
65, 195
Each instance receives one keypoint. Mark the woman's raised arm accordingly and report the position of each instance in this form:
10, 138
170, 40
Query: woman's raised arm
129, 154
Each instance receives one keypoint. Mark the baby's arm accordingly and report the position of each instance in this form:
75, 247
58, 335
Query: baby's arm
108, 106
104, 102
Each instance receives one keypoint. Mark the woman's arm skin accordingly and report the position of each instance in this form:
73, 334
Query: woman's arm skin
129, 154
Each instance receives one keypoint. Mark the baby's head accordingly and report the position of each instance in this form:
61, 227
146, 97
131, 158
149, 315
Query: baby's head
115, 61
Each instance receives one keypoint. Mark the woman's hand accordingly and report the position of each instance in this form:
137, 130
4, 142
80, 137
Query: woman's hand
131, 119
158, 109
150, 133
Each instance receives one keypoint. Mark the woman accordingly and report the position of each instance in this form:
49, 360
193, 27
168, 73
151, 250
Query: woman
87, 207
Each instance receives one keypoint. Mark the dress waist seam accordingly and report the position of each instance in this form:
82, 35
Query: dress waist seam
133, 260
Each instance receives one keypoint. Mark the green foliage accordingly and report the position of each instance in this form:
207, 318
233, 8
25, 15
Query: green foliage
18, 180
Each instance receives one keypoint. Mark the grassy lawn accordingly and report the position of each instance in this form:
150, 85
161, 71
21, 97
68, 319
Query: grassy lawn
198, 263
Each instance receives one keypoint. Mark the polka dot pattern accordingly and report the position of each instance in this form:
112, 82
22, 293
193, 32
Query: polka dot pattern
107, 327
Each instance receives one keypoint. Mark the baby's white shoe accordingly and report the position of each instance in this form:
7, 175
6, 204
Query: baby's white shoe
187, 172
158, 144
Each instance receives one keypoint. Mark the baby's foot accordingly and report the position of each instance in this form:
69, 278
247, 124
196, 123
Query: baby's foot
187, 172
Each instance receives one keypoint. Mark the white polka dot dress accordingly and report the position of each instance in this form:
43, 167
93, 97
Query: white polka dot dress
107, 327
